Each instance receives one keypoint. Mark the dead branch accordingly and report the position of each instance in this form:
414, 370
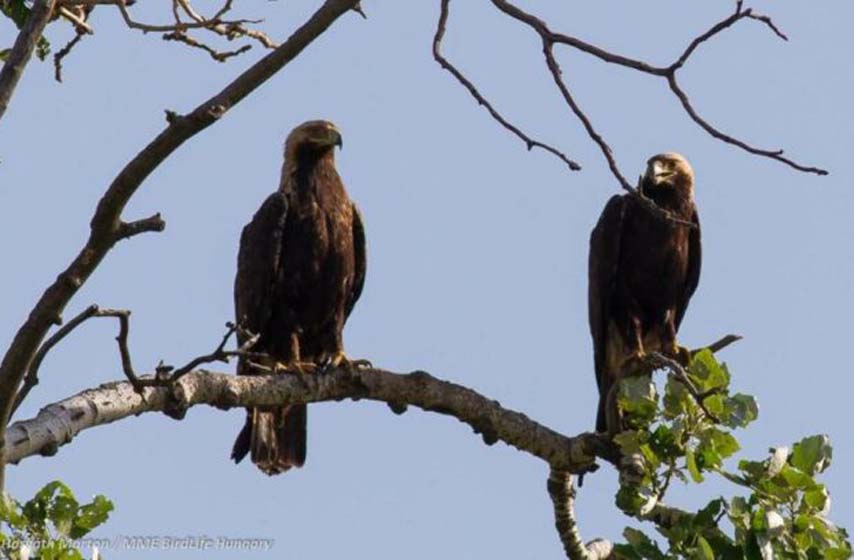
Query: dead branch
550, 39
481, 100
32, 377
106, 224
23, 49
65, 51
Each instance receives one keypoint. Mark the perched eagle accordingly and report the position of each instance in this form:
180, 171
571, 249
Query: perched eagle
300, 269
643, 270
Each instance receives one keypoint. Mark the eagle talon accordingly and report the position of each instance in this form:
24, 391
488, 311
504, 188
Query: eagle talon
340, 360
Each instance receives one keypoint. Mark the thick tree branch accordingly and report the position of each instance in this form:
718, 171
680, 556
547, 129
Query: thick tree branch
22, 51
56, 424
562, 493
106, 224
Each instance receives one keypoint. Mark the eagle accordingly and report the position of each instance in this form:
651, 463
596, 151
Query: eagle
300, 270
643, 269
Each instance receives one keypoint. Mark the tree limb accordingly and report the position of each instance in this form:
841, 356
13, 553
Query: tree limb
56, 424
106, 224
562, 493
23, 49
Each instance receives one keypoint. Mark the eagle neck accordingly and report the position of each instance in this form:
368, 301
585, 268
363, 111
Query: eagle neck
302, 175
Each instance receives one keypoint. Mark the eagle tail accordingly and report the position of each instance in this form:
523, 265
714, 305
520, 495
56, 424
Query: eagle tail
274, 439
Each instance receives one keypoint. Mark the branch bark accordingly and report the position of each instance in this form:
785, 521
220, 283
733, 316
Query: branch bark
23, 49
58, 423
106, 225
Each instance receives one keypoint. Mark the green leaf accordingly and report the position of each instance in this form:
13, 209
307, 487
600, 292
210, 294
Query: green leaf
677, 399
704, 550
691, 463
642, 544
707, 373
739, 410
818, 499
638, 399
812, 454
706, 517
715, 446
90, 516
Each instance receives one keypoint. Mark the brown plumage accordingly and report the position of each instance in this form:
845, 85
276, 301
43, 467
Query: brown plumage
300, 269
642, 273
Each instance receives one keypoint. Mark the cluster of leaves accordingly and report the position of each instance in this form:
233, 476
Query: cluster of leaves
46, 526
686, 434
19, 12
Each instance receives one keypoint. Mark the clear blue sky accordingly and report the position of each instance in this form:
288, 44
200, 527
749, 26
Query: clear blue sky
477, 257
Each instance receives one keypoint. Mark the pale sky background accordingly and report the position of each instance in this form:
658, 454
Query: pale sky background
477, 256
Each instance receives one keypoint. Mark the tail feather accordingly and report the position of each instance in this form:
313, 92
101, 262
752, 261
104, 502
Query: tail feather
274, 439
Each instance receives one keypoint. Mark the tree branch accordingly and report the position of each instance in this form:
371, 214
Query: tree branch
481, 100
551, 38
106, 225
22, 51
56, 424
562, 493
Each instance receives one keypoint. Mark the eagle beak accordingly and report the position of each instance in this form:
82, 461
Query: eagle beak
335, 138
657, 173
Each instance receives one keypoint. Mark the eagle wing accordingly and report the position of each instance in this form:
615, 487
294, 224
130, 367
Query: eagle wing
695, 257
602, 273
259, 266
360, 258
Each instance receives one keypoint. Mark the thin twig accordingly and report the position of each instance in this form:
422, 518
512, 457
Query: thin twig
219, 56
719, 345
32, 377
149, 224
657, 359
550, 38
481, 100
220, 354
65, 51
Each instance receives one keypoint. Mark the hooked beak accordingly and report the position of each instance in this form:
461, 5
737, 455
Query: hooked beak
657, 173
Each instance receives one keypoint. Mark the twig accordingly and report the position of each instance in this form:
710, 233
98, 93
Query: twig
32, 377
220, 354
550, 38
719, 345
657, 359
22, 50
219, 56
481, 100
129, 229
65, 51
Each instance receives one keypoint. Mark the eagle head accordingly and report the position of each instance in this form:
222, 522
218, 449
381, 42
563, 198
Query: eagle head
312, 138
669, 170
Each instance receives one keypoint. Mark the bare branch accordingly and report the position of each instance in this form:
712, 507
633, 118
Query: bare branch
562, 493
444, 63
58, 423
550, 38
719, 345
129, 229
219, 56
65, 51
23, 49
106, 224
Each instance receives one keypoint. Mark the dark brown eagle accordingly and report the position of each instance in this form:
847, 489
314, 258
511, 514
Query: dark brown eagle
643, 271
300, 271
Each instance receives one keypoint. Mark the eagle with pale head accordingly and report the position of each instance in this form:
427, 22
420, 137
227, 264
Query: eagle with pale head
643, 270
